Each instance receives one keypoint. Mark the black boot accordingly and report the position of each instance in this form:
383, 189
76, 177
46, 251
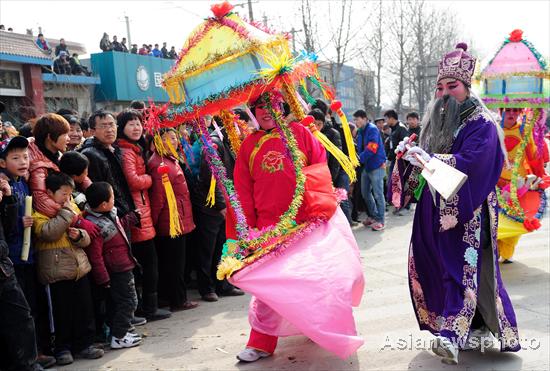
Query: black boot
151, 310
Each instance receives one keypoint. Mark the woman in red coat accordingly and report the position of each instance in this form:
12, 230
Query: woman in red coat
171, 251
132, 144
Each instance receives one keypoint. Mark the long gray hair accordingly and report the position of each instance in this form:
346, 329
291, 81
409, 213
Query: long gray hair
442, 119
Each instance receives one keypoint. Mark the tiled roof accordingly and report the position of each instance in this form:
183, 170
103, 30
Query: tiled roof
25, 45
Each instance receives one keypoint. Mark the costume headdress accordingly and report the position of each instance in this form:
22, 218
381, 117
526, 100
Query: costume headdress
225, 63
457, 64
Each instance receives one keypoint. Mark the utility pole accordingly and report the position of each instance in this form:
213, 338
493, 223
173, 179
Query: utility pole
293, 32
128, 31
250, 13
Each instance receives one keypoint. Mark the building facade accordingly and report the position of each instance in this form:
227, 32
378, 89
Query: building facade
28, 84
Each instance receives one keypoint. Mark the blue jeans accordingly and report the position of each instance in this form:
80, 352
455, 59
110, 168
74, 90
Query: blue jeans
372, 189
342, 181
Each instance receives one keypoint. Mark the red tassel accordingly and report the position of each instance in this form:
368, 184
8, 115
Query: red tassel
531, 224
221, 10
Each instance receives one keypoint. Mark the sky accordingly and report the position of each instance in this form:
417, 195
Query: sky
485, 23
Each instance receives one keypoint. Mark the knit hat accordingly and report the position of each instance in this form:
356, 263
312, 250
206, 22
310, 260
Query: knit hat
457, 65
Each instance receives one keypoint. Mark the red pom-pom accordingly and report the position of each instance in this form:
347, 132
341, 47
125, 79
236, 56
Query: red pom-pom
163, 169
462, 46
335, 105
221, 10
308, 120
531, 224
516, 36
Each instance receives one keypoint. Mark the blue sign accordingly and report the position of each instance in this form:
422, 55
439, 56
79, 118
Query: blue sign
125, 77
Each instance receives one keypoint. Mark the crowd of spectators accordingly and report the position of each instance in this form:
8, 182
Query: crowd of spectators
107, 45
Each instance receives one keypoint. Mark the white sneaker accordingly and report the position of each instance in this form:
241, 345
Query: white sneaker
479, 339
251, 355
128, 341
443, 347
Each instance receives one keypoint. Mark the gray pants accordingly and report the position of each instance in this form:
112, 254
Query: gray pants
123, 302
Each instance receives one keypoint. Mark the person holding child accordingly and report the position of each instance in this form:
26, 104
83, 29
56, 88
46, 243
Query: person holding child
64, 266
132, 145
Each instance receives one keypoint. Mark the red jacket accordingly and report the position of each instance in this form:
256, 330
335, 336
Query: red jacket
39, 166
159, 207
264, 176
110, 251
139, 182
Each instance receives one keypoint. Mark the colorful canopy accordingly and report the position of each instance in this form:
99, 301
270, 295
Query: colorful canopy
517, 76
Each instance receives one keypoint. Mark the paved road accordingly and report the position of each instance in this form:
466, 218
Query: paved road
208, 338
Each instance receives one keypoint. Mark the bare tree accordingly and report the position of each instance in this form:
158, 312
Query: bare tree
399, 50
309, 27
435, 33
373, 52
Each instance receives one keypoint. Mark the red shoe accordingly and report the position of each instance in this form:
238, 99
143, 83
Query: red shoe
377, 226
369, 221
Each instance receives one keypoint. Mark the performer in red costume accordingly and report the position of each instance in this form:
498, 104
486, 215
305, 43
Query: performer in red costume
265, 181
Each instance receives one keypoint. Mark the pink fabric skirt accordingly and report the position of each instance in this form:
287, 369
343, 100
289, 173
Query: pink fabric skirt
309, 288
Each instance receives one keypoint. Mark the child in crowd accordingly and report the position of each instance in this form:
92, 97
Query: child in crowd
171, 251
112, 263
63, 265
14, 166
75, 165
17, 335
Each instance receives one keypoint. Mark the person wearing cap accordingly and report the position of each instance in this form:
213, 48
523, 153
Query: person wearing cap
17, 331
14, 167
454, 277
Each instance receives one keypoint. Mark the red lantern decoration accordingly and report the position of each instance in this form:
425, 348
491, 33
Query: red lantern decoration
335, 105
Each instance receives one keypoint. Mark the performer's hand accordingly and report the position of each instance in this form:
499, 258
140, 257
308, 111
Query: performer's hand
411, 156
401, 145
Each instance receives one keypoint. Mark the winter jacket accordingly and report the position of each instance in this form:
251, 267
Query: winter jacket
110, 251
8, 213
60, 258
39, 168
398, 133
14, 237
334, 136
159, 206
139, 182
371, 148
106, 166
416, 131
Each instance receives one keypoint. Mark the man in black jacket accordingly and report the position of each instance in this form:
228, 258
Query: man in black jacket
413, 122
209, 235
105, 160
398, 133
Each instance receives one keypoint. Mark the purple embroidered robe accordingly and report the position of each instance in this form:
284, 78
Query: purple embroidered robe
446, 253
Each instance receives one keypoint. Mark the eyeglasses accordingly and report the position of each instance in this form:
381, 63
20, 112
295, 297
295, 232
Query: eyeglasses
512, 110
106, 126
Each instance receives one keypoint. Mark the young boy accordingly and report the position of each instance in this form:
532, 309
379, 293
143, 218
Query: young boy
75, 165
14, 165
17, 336
112, 263
64, 266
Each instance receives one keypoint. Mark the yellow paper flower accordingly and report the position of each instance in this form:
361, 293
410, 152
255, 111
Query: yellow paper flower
227, 267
